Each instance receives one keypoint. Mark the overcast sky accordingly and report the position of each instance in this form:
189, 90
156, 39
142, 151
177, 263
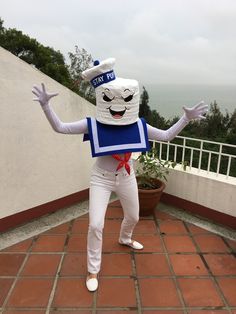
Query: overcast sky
153, 41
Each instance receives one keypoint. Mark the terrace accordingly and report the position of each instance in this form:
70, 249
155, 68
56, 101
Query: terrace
188, 263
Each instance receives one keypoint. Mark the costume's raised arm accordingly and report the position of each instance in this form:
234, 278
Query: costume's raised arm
43, 97
195, 112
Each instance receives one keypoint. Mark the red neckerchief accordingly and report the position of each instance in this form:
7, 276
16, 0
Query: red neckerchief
123, 162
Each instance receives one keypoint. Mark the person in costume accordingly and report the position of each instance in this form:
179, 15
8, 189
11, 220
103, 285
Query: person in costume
114, 134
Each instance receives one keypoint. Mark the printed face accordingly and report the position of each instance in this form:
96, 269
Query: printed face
118, 102
126, 96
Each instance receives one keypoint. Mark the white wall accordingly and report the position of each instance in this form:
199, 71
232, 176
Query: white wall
204, 188
37, 165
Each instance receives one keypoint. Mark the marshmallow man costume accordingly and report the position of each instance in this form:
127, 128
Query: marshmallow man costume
114, 134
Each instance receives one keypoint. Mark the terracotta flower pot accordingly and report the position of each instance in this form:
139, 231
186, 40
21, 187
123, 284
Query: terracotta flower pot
149, 199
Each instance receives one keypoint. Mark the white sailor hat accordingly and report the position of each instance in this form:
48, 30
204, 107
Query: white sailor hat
101, 73
117, 99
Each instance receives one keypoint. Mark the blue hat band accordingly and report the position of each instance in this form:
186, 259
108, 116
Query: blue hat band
103, 78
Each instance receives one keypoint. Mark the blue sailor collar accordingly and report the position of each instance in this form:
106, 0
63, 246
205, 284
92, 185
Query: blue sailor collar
113, 139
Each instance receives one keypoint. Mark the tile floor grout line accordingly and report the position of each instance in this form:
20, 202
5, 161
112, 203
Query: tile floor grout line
24, 309
126, 277
211, 275
198, 249
94, 305
27, 254
220, 292
231, 251
33, 253
167, 254
188, 308
136, 283
53, 290
57, 310
115, 308
164, 309
198, 221
181, 298
52, 294
44, 223
29, 230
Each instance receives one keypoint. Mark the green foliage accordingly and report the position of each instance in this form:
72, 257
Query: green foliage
80, 61
231, 134
50, 61
144, 109
217, 127
1, 25
45, 59
216, 124
151, 167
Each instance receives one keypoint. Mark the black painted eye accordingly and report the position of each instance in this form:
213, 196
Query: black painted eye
129, 98
106, 98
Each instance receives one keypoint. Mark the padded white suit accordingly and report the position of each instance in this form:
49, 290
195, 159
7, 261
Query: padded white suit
104, 180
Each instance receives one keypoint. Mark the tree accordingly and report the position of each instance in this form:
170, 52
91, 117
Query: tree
231, 136
50, 61
1, 25
80, 61
157, 120
45, 59
144, 109
216, 125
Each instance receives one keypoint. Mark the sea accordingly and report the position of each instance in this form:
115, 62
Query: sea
168, 100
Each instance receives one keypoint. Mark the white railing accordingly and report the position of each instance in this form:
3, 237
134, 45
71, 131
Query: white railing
201, 154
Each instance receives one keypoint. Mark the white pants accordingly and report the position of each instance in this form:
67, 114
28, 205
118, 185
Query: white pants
101, 185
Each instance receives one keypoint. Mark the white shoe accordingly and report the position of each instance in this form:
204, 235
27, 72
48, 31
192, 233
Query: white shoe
92, 284
134, 244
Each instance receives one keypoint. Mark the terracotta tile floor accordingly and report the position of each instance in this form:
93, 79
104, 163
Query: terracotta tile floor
182, 269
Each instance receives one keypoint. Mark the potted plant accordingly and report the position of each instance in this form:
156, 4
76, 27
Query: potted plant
151, 173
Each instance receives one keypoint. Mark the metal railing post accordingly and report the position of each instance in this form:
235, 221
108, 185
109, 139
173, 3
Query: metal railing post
219, 160
200, 156
183, 152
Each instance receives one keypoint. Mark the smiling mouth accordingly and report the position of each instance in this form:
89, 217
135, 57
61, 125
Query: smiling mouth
117, 114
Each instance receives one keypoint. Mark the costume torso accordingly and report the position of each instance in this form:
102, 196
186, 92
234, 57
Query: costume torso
113, 139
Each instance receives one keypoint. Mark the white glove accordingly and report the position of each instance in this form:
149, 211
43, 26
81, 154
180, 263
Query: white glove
196, 112
42, 96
